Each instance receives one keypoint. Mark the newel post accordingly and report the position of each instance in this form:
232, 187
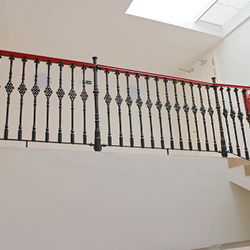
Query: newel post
222, 136
97, 143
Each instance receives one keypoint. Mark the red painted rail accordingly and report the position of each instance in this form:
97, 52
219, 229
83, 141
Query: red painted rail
114, 69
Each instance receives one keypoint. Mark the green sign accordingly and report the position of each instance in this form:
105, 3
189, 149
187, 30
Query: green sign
88, 82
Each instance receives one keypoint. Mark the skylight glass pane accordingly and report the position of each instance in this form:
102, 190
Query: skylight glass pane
219, 14
239, 4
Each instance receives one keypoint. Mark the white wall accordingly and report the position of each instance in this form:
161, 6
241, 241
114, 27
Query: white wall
53, 199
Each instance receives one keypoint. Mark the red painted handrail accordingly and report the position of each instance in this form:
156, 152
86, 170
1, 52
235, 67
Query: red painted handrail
114, 69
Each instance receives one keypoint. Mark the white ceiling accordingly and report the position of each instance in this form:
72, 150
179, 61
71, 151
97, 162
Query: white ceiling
79, 29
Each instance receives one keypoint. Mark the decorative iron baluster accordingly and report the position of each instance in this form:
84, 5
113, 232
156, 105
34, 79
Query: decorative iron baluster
72, 95
168, 108
139, 103
247, 107
129, 102
233, 115
119, 101
22, 90
225, 114
211, 113
149, 105
186, 110
177, 108
194, 110
60, 94
9, 87
84, 96
203, 112
223, 141
35, 90
240, 117
97, 145
158, 105
48, 92
108, 100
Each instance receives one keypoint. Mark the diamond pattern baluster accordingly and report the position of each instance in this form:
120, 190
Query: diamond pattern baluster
84, 96
129, 102
35, 90
149, 106
119, 101
186, 110
139, 103
168, 107
240, 117
60, 94
48, 92
9, 87
72, 96
225, 114
203, 112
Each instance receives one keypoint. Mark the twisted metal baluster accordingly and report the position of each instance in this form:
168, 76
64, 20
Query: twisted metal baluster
35, 91
240, 117
84, 96
72, 95
247, 107
22, 90
60, 94
149, 105
158, 105
203, 112
225, 114
48, 92
233, 115
194, 110
139, 103
129, 102
177, 108
186, 110
211, 113
108, 100
9, 87
119, 101
168, 108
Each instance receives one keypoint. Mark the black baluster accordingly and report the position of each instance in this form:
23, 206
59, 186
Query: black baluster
72, 95
211, 113
97, 146
35, 90
84, 96
240, 117
129, 102
22, 90
108, 100
48, 92
60, 94
149, 105
9, 87
177, 108
186, 110
247, 107
194, 110
203, 112
233, 115
225, 114
139, 103
168, 108
119, 101
158, 105
223, 141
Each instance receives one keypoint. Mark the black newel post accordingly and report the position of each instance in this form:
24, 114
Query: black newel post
223, 141
97, 145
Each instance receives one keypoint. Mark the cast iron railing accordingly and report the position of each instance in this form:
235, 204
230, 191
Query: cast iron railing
178, 114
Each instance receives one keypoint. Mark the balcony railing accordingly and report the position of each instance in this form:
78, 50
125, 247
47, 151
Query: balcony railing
128, 108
